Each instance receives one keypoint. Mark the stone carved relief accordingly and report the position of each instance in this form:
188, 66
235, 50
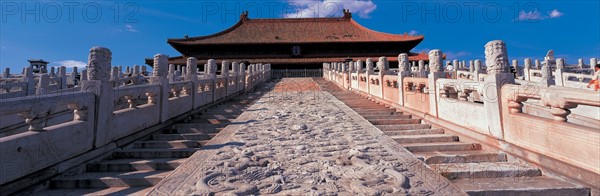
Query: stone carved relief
496, 57
290, 158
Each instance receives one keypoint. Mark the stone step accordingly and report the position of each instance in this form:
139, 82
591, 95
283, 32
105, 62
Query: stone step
471, 156
120, 165
185, 136
93, 192
194, 129
415, 132
430, 138
379, 113
396, 122
167, 144
215, 116
386, 117
442, 146
385, 128
109, 179
137, 153
485, 170
390, 115
539, 185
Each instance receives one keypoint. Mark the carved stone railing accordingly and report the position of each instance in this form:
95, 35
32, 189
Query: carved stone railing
40, 131
51, 135
553, 135
537, 123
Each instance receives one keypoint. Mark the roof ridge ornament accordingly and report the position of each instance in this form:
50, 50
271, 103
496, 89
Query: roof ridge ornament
244, 15
347, 14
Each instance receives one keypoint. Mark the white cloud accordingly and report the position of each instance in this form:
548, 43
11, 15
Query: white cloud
555, 14
130, 28
413, 32
330, 8
537, 15
71, 63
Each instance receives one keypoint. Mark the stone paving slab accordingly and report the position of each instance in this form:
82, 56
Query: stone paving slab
298, 140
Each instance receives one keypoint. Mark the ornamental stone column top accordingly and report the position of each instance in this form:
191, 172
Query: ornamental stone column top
403, 63
99, 64
496, 57
161, 63
435, 60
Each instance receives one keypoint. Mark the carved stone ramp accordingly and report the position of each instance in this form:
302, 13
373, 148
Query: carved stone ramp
474, 170
136, 168
298, 140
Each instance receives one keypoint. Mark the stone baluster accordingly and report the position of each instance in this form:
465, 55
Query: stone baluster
6, 73
191, 65
52, 72
235, 68
161, 72
136, 76
383, 65
178, 68
527, 70
211, 69
547, 79
171, 73
359, 66
43, 84
558, 76
537, 64
62, 73
30, 79
496, 58
403, 63
120, 72
455, 64
98, 75
83, 75
144, 71
225, 68
435, 72
114, 76
515, 66
369, 66
128, 70
477, 71
422, 69
593, 63
580, 63
73, 78
471, 66
463, 65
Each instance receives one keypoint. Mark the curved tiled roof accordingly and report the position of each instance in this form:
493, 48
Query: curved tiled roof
300, 30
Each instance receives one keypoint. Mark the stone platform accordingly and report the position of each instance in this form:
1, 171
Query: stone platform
299, 140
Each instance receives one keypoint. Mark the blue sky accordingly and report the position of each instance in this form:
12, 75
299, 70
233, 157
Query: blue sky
63, 32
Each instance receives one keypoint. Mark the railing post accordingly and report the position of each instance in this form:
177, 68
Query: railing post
99, 63
190, 75
527, 69
62, 73
402, 73
497, 60
558, 76
435, 66
6, 73
30, 79
160, 74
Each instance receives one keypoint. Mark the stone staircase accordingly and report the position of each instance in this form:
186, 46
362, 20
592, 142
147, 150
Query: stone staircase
466, 164
134, 169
